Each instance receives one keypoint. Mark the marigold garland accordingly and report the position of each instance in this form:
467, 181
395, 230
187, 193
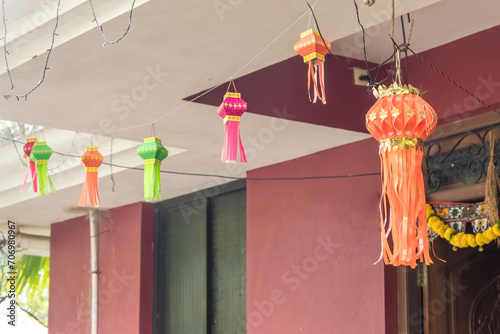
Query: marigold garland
461, 239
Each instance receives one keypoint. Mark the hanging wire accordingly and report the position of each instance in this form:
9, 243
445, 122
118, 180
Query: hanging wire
13, 143
216, 175
106, 41
6, 53
65, 155
371, 83
451, 80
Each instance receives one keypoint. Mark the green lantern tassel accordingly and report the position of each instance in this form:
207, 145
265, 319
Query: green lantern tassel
40, 156
153, 152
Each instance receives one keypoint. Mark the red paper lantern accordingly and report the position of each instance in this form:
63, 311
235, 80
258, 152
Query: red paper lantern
91, 159
312, 48
401, 120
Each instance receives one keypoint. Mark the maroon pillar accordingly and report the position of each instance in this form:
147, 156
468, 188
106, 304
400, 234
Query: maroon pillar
126, 279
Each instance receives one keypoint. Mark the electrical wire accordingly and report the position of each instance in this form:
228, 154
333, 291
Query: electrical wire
106, 41
371, 83
49, 51
217, 175
364, 47
6, 53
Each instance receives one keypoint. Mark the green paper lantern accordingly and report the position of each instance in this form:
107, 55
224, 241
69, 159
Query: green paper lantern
40, 155
152, 152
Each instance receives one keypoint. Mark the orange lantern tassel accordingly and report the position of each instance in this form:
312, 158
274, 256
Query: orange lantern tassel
91, 159
401, 120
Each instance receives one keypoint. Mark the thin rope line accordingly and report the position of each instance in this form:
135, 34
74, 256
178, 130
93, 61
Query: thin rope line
14, 143
67, 155
215, 87
216, 175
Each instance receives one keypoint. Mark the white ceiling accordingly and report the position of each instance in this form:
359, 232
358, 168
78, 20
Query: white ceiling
192, 46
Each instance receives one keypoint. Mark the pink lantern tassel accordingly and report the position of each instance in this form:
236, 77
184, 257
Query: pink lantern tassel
232, 140
31, 169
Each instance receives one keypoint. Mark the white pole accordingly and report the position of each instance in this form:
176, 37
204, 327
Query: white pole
94, 265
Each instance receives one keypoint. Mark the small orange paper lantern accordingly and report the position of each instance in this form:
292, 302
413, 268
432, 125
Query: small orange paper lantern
312, 48
91, 159
401, 120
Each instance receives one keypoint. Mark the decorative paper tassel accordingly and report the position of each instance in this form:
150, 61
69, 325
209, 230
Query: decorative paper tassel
231, 110
403, 186
40, 156
153, 153
31, 169
232, 140
317, 74
91, 159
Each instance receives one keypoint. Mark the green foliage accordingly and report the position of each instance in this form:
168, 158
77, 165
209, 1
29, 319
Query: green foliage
32, 285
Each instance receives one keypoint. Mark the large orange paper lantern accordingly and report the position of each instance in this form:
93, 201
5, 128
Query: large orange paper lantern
401, 120
312, 48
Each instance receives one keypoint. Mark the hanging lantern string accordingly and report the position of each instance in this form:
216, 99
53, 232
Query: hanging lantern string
6, 53
106, 41
152, 132
229, 86
41, 134
214, 175
309, 22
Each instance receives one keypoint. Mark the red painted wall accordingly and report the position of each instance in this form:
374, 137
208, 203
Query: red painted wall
125, 282
472, 62
311, 245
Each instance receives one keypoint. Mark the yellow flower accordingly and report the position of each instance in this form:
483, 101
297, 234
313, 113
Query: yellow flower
490, 235
479, 239
496, 230
472, 240
453, 240
410, 112
465, 241
480, 223
458, 239
395, 113
447, 234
